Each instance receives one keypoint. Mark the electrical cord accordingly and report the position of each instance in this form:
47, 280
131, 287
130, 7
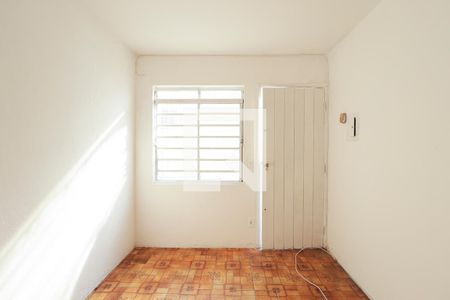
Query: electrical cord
306, 279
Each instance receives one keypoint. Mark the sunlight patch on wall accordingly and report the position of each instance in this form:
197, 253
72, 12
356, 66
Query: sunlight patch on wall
45, 258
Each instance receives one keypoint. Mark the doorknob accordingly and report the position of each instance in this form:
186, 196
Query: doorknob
267, 165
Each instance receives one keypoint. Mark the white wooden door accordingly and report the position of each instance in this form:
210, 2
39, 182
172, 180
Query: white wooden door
293, 202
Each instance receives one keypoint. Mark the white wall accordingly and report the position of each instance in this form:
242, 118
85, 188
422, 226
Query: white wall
389, 192
66, 128
168, 216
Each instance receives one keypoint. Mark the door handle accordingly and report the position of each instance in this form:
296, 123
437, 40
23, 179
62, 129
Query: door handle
267, 165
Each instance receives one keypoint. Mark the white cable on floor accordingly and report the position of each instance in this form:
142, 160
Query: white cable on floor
306, 279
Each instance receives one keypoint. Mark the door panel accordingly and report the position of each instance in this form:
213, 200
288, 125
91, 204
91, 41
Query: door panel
299, 136
289, 169
319, 168
308, 162
267, 211
278, 168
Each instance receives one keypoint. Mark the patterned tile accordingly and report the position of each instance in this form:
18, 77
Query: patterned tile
127, 287
276, 290
268, 265
190, 289
233, 265
148, 288
162, 264
198, 264
106, 286
120, 296
172, 273
232, 290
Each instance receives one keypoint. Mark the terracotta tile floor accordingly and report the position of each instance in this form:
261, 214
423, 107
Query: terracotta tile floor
156, 273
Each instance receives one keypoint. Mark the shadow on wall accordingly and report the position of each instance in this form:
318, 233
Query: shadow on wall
45, 258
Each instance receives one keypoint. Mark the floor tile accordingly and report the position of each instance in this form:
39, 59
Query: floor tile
201, 274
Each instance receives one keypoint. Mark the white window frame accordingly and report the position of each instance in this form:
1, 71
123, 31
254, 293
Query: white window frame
198, 101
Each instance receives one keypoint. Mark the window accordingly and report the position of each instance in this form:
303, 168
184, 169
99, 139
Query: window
198, 134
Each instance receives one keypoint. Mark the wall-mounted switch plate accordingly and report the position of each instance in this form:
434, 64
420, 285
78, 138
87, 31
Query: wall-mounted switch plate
353, 127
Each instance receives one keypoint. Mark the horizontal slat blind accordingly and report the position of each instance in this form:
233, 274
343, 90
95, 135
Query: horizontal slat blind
198, 134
